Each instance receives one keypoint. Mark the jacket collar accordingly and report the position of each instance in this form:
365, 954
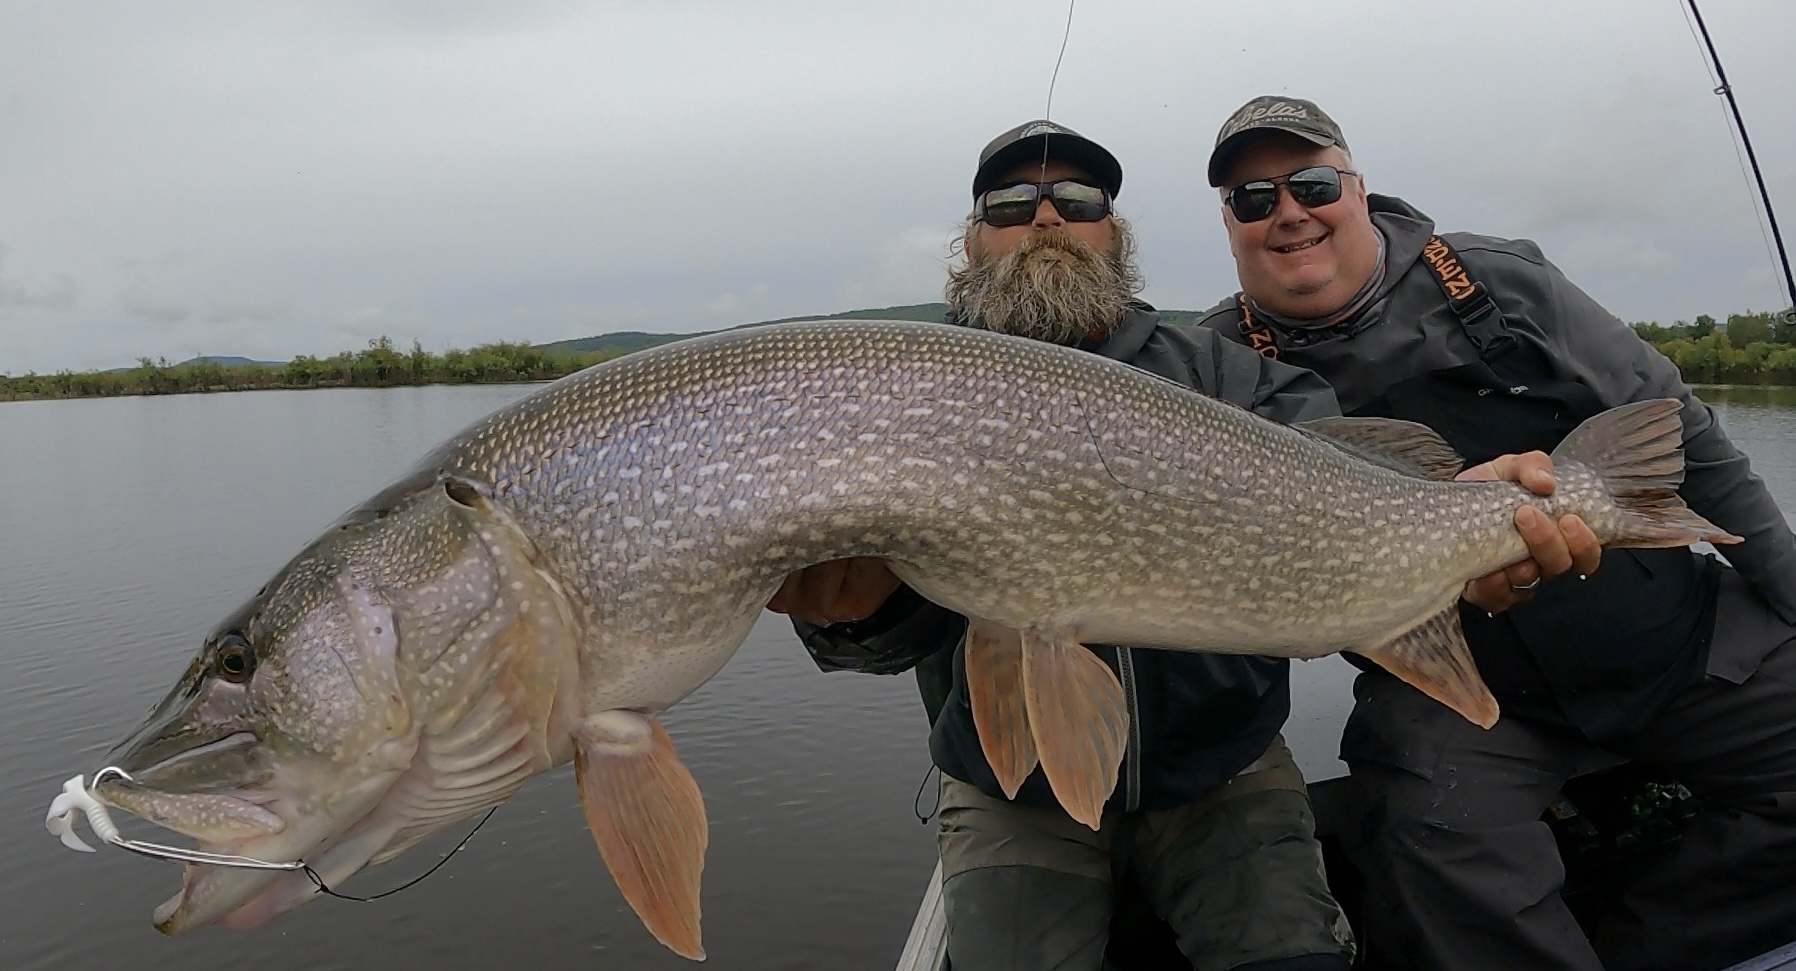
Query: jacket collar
1138, 325
1406, 230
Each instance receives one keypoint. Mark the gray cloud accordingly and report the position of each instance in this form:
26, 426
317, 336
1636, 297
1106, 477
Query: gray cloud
245, 310
60, 294
908, 268
304, 176
157, 307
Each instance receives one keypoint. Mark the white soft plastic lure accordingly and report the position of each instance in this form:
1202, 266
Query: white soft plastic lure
76, 799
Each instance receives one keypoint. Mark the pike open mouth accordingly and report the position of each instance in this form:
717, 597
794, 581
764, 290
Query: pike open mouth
230, 827
249, 867
172, 916
214, 862
230, 896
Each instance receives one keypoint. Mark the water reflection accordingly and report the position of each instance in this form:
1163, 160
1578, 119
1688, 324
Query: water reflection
1762, 421
1747, 394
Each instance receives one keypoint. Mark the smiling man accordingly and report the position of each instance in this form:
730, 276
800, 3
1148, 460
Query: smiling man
1663, 655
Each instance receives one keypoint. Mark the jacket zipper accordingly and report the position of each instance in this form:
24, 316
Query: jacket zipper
1125, 667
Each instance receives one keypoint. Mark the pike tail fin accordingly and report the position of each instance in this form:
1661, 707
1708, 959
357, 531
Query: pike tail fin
1079, 720
1435, 660
646, 814
1637, 450
994, 663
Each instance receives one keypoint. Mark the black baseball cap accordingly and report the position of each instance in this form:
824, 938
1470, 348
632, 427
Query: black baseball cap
1272, 112
1036, 140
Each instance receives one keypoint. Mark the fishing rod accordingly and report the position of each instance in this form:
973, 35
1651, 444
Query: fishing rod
1727, 91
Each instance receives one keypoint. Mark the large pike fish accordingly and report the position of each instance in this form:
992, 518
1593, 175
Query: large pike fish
543, 585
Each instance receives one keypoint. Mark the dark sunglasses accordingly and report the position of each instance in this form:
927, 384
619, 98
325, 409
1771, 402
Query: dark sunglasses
1311, 188
1014, 205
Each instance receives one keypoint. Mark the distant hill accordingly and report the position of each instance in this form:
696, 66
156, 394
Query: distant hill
228, 361
622, 342
222, 360
626, 341
910, 311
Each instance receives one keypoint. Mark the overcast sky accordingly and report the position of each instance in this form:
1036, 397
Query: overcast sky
270, 179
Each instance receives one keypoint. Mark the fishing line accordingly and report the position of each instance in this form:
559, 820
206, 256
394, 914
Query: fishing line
1732, 138
318, 881
77, 799
916, 804
1048, 112
1722, 88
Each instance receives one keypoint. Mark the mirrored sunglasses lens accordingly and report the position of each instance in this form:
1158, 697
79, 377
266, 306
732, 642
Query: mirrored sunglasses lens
1010, 206
1253, 201
1009, 214
1315, 187
1079, 202
1082, 212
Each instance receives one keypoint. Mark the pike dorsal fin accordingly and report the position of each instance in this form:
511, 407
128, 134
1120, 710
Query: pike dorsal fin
1403, 446
1078, 718
1434, 659
646, 814
994, 669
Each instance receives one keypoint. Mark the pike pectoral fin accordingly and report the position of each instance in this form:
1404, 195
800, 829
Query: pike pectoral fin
1079, 720
646, 814
1435, 660
994, 663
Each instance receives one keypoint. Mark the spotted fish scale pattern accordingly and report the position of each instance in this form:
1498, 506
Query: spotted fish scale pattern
1017, 481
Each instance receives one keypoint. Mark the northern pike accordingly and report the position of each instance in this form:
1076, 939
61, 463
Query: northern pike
545, 583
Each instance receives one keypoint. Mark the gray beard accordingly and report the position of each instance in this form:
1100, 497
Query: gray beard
1051, 287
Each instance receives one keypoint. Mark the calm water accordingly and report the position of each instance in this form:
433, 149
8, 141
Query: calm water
128, 527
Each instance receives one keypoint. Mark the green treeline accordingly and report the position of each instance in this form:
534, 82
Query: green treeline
1748, 349
379, 365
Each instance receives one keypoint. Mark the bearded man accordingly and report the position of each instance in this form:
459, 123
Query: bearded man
1210, 814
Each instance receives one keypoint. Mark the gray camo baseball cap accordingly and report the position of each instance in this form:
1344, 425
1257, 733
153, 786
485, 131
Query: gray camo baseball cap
1043, 139
1272, 112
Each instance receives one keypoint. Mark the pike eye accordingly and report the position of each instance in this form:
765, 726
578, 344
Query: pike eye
235, 659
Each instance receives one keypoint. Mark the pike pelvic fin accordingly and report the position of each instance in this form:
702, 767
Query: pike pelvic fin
1434, 659
994, 663
647, 816
1408, 447
1079, 720
1637, 450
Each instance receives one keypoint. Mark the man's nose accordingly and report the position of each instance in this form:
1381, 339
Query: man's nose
1289, 211
1046, 216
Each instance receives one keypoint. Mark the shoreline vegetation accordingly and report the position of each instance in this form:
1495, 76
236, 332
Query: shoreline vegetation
1746, 349
379, 365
